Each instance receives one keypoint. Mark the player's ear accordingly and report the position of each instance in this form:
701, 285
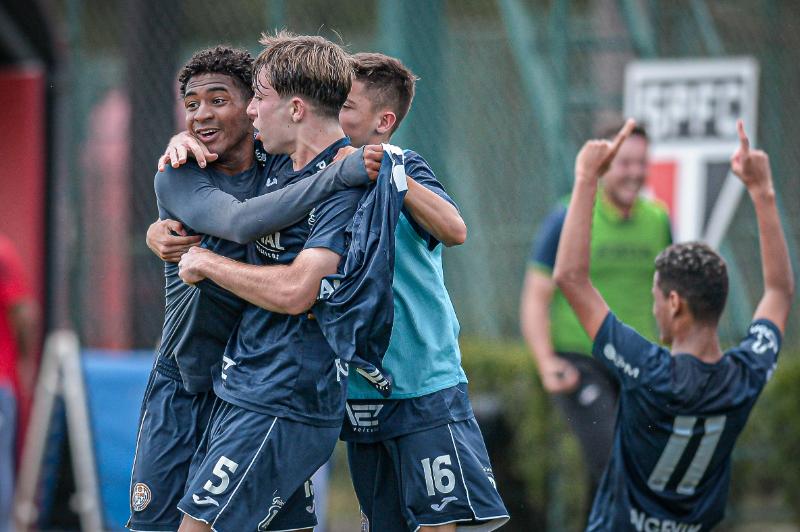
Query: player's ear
297, 109
676, 304
387, 121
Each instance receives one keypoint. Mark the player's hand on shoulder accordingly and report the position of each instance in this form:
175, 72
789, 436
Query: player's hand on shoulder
343, 152
191, 265
373, 157
752, 166
168, 240
596, 155
180, 147
558, 375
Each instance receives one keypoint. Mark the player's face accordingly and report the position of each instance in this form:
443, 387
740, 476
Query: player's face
661, 312
216, 112
626, 176
358, 118
271, 116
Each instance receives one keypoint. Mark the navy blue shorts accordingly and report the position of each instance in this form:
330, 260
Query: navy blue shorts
171, 427
252, 471
428, 478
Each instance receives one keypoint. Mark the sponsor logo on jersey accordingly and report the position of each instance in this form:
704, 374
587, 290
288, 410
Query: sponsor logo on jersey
363, 418
270, 245
327, 287
342, 368
309, 488
765, 339
277, 504
227, 363
312, 217
644, 523
364, 523
439, 507
205, 501
322, 165
611, 353
490, 476
272, 182
140, 497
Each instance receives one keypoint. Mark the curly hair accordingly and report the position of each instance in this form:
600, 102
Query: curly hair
390, 80
698, 274
306, 65
221, 59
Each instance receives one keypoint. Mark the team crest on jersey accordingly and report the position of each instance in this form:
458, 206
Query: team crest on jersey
277, 504
140, 497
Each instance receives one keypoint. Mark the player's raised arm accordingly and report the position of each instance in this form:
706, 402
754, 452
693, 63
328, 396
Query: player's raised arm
571, 272
752, 167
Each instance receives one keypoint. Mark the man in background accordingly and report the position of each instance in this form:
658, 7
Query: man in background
628, 232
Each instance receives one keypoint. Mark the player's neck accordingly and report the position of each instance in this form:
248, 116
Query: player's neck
313, 137
238, 159
699, 340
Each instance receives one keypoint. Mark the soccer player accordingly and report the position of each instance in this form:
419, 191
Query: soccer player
628, 231
425, 437
680, 410
281, 389
417, 460
216, 86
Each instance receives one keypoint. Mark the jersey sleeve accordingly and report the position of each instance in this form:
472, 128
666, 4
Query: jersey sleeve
545, 245
190, 194
418, 169
759, 349
331, 220
633, 359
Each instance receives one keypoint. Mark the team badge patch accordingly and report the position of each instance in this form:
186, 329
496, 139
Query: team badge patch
140, 497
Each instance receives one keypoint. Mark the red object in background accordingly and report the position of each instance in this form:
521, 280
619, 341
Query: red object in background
22, 167
22, 181
661, 180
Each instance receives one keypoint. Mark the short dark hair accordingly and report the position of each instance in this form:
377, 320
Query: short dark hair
221, 59
610, 131
306, 65
390, 80
698, 274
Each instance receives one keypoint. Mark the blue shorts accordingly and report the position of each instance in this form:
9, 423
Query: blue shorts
8, 432
252, 471
428, 478
171, 427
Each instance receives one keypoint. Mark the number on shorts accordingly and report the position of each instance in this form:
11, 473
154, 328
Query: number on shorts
438, 478
672, 453
220, 472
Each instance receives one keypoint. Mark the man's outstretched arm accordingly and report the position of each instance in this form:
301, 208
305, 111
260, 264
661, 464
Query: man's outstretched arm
571, 272
287, 289
752, 167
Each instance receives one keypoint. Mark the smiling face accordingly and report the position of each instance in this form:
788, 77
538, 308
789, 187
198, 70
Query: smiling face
216, 113
625, 178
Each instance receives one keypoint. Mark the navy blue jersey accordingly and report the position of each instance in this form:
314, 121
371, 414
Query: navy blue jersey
229, 211
678, 421
278, 364
356, 307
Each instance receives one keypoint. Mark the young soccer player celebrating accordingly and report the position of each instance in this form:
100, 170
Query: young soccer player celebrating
680, 410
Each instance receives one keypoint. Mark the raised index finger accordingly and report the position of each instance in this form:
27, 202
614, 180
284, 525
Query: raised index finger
623, 134
744, 142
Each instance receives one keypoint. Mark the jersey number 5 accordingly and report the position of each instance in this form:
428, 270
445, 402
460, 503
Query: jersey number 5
219, 471
672, 453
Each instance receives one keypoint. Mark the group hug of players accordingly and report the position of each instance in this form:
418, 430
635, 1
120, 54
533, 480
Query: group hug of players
247, 398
